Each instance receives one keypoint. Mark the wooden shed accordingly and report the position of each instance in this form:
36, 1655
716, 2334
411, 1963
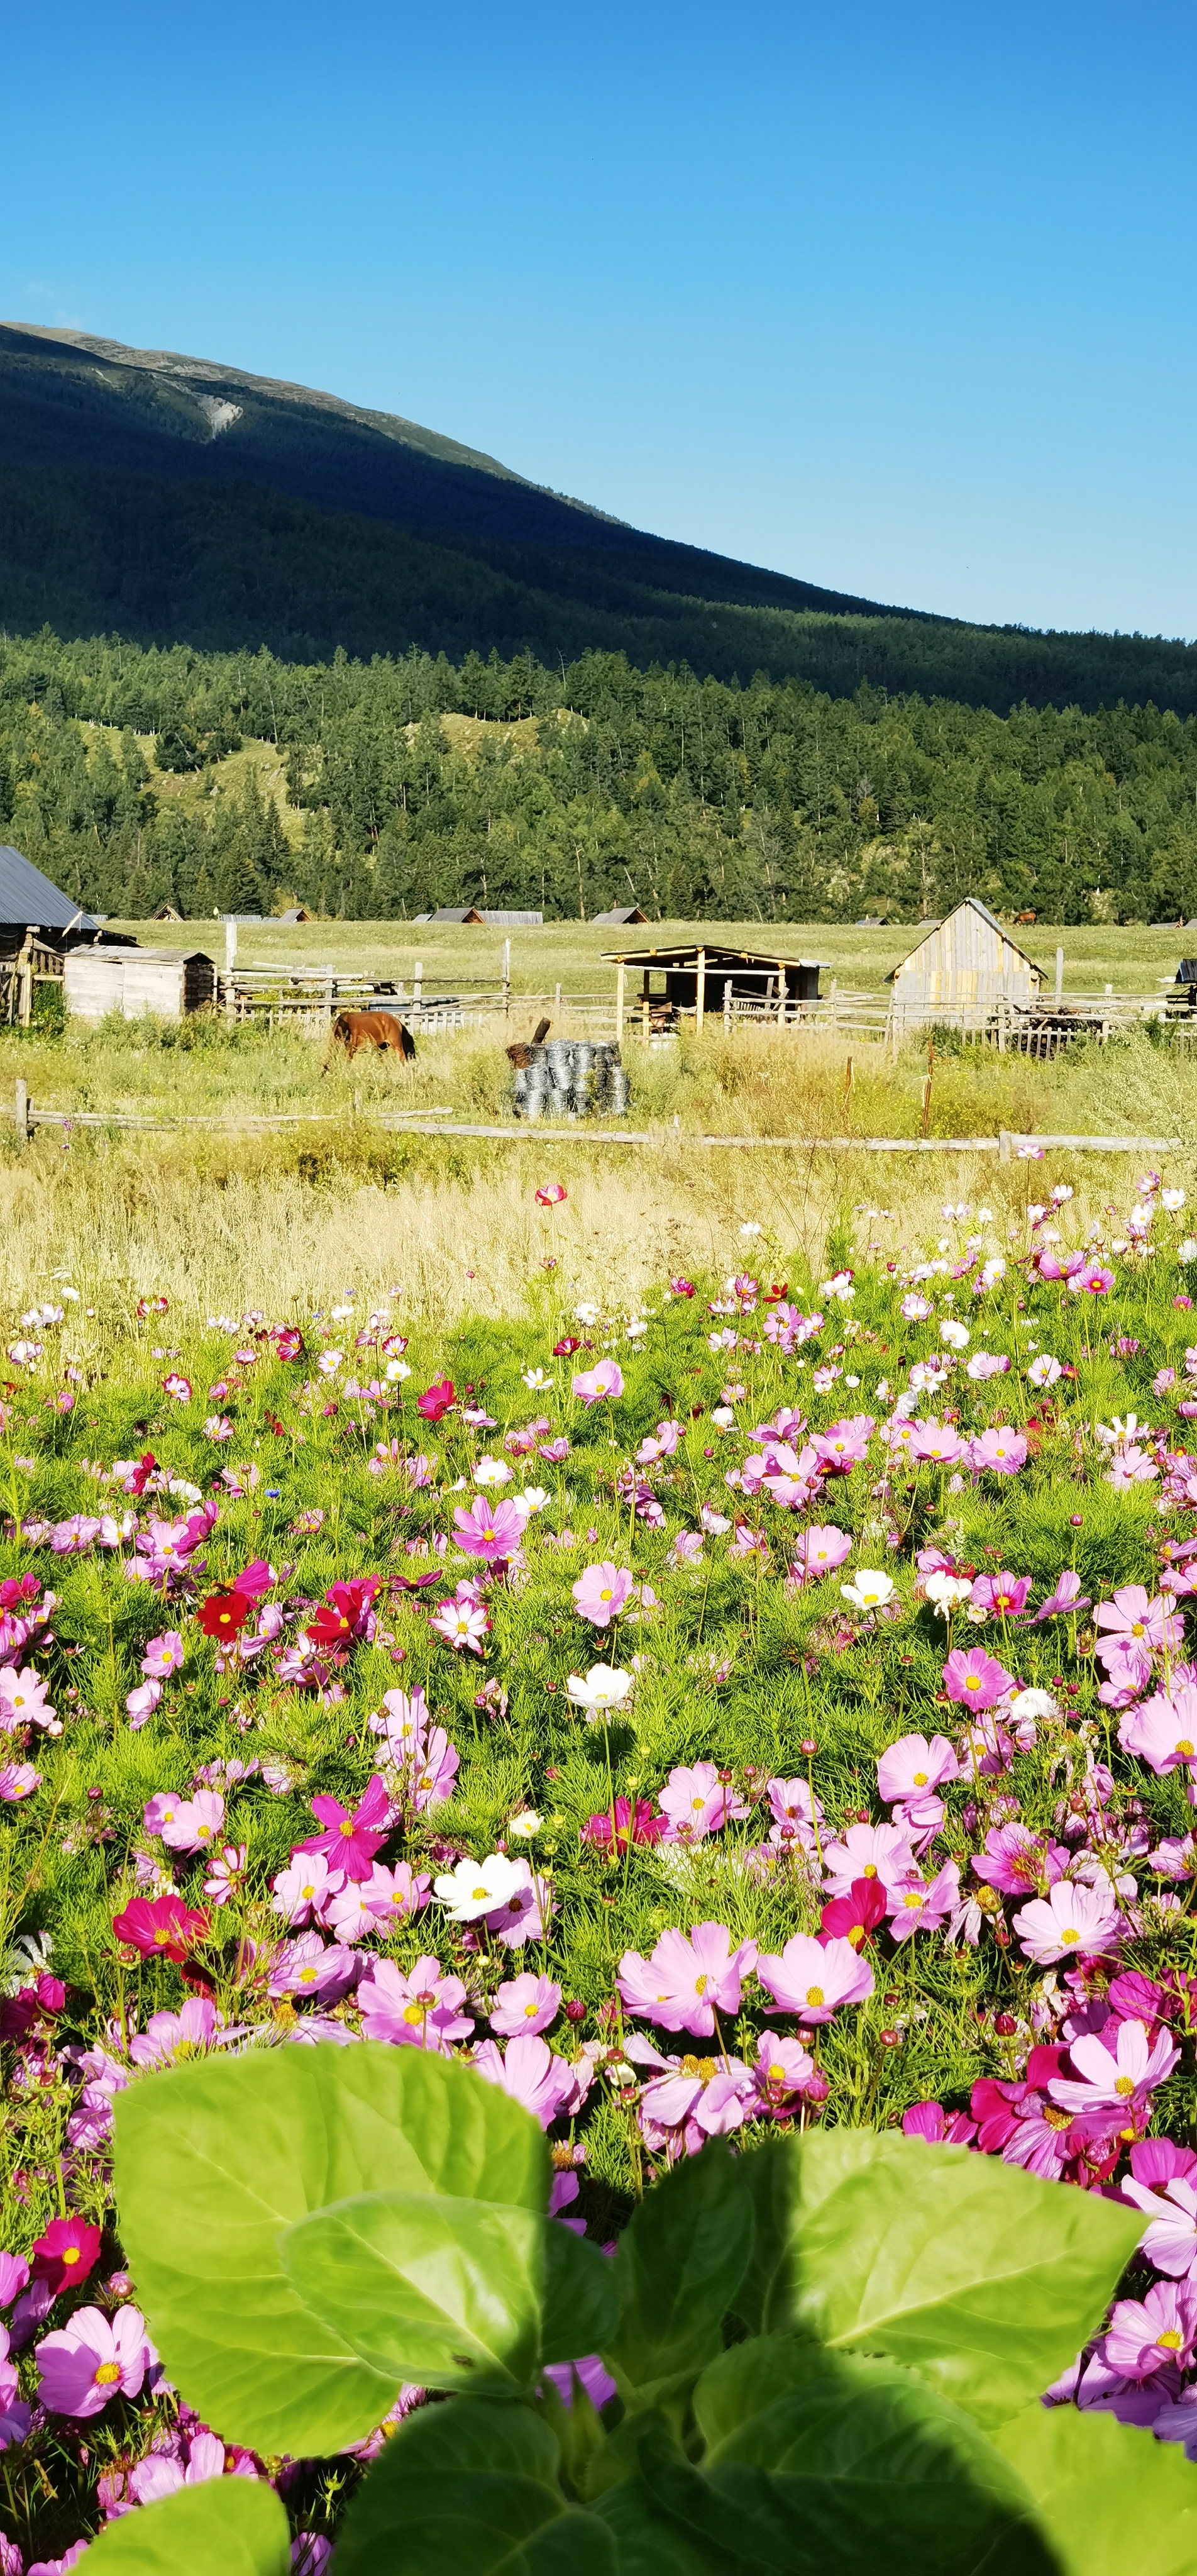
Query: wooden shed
961, 970
135, 981
623, 916
699, 978
459, 914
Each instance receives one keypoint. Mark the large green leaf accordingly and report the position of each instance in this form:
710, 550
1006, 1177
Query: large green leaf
226, 2527
679, 2266
1111, 2499
215, 2159
466, 2294
470, 2489
982, 2279
863, 2461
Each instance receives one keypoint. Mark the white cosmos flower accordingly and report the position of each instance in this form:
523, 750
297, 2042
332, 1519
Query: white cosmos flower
526, 1824
531, 1498
957, 1336
604, 1686
1187, 1251
536, 1378
1171, 1199
946, 1590
869, 1591
396, 1371
492, 1471
1033, 1703
722, 1415
477, 1887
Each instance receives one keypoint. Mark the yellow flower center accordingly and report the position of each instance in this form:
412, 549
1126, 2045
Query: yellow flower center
69, 2254
777, 2075
913, 1900
413, 2012
1125, 2084
1070, 1935
973, 1681
161, 1935
1138, 1629
920, 1779
814, 1995
700, 1985
1183, 1744
110, 2371
307, 1976
1169, 2341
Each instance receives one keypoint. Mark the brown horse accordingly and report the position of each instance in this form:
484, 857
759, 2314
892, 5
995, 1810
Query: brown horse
377, 1029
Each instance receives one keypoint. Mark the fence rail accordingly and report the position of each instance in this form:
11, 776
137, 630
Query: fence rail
1007, 1144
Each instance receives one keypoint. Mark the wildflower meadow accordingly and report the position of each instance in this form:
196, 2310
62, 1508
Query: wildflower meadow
764, 1719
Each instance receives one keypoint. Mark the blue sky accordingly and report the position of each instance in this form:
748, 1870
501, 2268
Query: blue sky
897, 299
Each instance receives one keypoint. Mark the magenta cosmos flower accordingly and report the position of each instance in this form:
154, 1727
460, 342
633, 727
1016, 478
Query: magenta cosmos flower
975, 1679
92, 2360
350, 1840
591, 1385
64, 2256
813, 1978
687, 1981
601, 1592
488, 1530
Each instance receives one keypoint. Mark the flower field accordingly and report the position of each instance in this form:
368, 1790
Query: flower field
774, 1706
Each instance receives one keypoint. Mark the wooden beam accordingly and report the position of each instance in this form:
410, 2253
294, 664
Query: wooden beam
700, 991
620, 973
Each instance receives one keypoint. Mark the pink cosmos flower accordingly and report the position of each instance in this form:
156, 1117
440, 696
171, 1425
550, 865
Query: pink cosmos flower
974, 1679
845, 1445
93, 2359
140, 1703
688, 2101
305, 1887
813, 1978
350, 1841
169, 2037
1001, 1595
639, 1822
1163, 1730
591, 1385
783, 2068
1066, 1597
194, 1822
23, 1700
525, 1912
550, 2087
1146, 2334
420, 2010
1164, 2184
912, 1766
160, 2474
1133, 1616
819, 1550
306, 1967
1072, 1921
1121, 2080
18, 1780
794, 1812
163, 1655
934, 1444
998, 1453
697, 1803
917, 1905
601, 1592
488, 1530
867, 1851
525, 2006
687, 1981
462, 1624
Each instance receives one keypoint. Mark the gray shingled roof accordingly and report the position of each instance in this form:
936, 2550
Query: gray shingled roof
27, 896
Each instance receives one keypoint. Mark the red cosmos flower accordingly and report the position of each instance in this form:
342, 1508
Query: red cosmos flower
142, 1472
552, 1195
342, 1617
780, 1288
224, 1614
351, 1840
288, 1342
436, 1399
65, 2255
852, 1918
161, 1927
564, 1350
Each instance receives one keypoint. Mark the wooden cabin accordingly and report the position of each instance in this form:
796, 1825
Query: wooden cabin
459, 914
959, 972
699, 979
135, 981
624, 916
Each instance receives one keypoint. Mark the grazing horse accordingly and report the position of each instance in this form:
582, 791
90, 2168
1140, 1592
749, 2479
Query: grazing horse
377, 1029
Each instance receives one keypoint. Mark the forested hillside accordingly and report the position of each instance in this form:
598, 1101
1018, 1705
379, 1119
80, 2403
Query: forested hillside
576, 788
170, 500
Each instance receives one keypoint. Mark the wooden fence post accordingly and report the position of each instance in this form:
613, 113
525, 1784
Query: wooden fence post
1059, 976
1005, 1145
22, 1112
727, 1008
700, 992
620, 974
506, 979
